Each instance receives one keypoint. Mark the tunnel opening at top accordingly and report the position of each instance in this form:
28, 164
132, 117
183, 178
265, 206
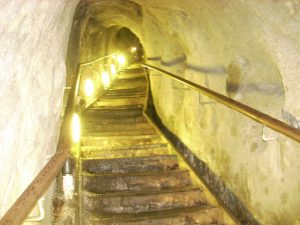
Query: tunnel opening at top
101, 28
126, 42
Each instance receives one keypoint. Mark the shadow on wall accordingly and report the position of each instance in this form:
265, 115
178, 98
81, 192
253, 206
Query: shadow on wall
233, 81
219, 70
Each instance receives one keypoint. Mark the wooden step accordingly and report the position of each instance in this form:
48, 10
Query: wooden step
122, 94
129, 75
98, 127
131, 79
136, 182
132, 90
128, 85
133, 70
114, 112
119, 102
201, 215
131, 165
100, 153
124, 141
138, 202
103, 120
120, 133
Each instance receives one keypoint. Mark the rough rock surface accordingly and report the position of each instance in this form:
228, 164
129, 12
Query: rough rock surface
258, 165
33, 45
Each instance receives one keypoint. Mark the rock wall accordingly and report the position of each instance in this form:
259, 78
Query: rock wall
248, 51
33, 45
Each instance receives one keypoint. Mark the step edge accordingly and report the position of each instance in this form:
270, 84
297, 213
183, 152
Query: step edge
107, 217
88, 194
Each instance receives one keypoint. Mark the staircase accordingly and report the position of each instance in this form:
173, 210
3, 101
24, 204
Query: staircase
129, 174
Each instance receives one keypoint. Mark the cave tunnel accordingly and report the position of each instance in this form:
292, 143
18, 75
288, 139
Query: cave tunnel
187, 112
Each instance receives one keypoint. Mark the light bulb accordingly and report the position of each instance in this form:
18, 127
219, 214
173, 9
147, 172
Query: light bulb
89, 88
105, 79
121, 60
113, 69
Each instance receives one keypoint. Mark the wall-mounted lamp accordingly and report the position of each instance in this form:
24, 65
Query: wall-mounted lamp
121, 60
133, 49
105, 79
89, 88
113, 69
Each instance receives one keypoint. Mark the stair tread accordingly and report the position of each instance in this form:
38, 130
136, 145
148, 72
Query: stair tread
106, 129
111, 110
134, 91
199, 215
123, 141
131, 79
129, 75
131, 107
124, 165
124, 96
142, 136
117, 127
120, 133
143, 193
145, 159
126, 90
123, 147
143, 201
123, 85
97, 120
154, 173
114, 108
121, 102
135, 68
100, 183
88, 152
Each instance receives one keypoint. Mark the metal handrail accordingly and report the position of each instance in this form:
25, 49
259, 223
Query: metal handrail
27, 200
112, 55
252, 113
98, 59
89, 63
41, 215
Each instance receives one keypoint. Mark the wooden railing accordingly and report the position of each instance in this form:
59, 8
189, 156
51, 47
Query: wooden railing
254, 114
28, 199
